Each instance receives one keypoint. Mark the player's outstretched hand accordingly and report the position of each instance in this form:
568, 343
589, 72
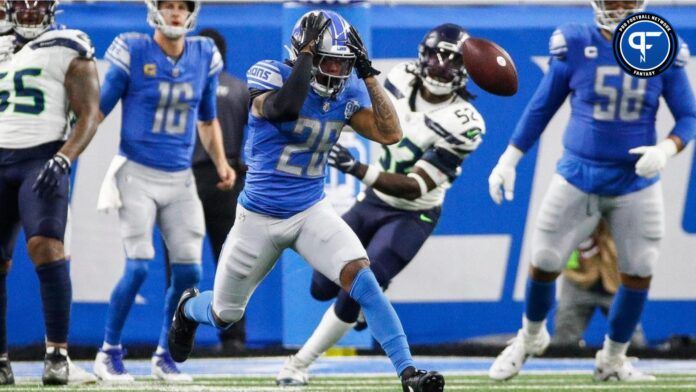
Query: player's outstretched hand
341, 158
363, 65
48, 180
313, 27
653, 158
227, 177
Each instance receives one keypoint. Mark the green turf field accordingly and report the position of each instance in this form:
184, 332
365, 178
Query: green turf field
546, 383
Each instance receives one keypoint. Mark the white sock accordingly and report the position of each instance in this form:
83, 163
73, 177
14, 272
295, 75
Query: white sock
614, 349
160, 350
106, 346
329, 331
532, 328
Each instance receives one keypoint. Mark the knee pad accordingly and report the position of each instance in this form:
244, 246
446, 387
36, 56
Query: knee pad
548, 260
323, 289
642, 264
228, 316
139, 247
189, 251
186, 275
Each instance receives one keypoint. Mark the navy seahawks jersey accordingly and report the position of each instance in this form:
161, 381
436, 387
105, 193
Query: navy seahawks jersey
611, 111
162, 98
287, 160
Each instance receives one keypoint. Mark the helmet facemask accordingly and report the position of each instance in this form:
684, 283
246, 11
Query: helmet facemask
333, 61
5, 23
156, 18
442, 70
31, 18
609, 13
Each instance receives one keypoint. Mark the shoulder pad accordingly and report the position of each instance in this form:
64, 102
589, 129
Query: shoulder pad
67, 38
683, 55
266, 75
567, 38
400, 80
460, 126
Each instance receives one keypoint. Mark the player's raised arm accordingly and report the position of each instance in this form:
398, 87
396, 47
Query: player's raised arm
286, 103
381, 123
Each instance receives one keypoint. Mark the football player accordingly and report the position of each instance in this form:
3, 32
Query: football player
167, 83
298, 109
610, 168
402, 203
43, 72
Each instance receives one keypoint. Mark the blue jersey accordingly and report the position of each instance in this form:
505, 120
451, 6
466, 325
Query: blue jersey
162, 98
612, 112
287, 160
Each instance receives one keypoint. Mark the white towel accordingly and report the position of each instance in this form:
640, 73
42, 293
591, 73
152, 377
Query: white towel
109, 196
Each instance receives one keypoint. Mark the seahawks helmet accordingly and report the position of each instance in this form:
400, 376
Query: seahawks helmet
440, 59
333, 61
608, 15
31, 18
156, 20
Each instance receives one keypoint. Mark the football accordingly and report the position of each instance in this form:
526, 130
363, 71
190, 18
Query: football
490, 66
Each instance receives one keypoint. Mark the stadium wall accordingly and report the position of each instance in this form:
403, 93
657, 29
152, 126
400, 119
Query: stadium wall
468, 280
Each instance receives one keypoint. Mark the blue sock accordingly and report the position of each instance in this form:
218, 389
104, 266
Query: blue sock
122, 298
539, 298
3, 314
382, 319
184, 276
625, 312
56, 296
200, 309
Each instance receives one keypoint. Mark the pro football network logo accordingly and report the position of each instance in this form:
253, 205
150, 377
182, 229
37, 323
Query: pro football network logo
645, 44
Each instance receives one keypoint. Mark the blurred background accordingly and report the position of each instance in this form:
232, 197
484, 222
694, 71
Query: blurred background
466, 285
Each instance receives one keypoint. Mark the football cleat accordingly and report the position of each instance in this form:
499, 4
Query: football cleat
55, 370
293, 374
164, 368
508, 364
183, 331
617, 369
6, 375
423, 381
108, 367
78, 375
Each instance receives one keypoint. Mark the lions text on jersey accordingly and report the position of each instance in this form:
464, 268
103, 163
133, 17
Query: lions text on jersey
162, 97
612, 112
33, 101
287, 161
448, 125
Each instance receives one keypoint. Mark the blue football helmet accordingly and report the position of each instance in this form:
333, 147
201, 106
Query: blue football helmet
333, 61
31, 18
609, 13
156, 20
440, 59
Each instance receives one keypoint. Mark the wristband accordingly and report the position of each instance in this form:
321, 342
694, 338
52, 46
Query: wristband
370, 175
421, 183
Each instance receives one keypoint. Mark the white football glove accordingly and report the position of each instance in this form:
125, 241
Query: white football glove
7, 46
654, 158
503, 175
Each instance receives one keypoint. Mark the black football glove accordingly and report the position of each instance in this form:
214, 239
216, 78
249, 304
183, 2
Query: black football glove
50, 177
341, 158
363, 65
313, 27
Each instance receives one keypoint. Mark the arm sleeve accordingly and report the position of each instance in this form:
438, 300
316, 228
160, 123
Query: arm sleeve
287, 100
114, 87
549, 96
679, 96
208, 108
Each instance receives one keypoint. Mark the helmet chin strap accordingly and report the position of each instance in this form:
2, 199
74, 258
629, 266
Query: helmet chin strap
437, 88
173, 32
